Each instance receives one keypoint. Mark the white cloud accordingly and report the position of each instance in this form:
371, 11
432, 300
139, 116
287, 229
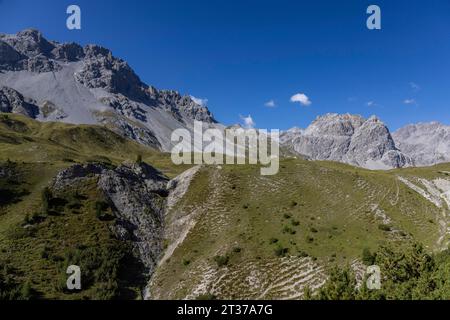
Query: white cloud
248, 122
414, 86
200, 101
270, 104
371, 104
409, 101
301, 98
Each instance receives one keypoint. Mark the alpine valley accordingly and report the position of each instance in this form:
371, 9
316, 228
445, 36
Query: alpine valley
86, 179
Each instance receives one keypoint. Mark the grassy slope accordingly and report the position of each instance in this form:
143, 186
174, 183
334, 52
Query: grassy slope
321, 209
22, 139
281, 229
39, 255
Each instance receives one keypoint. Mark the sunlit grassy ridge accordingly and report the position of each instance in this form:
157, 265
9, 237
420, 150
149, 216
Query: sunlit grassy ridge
273, 235
23, 139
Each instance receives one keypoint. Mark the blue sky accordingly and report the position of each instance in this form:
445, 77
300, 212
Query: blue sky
242, 54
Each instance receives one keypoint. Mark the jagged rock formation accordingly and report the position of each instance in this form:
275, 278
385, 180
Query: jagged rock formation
28, 50
12, 101
89, 85
65, 82
137, 194
426, 143
347, 138
289, 135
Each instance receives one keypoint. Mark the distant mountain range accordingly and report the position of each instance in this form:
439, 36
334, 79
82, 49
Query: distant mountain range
368, 143
51, 81
73, 192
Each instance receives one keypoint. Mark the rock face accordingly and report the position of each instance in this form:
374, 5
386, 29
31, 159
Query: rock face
137, 193
12, 101
426, 143
68, 52
28, 50
65, 82
347, 138
102, 70
89, 85
9, 57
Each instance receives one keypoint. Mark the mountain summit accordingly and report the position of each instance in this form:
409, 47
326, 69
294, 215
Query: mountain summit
427, 143
51, 81
69, 83
347, 138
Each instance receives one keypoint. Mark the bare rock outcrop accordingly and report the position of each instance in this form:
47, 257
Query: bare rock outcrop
426, 143
137, 194
12, 101
347, 138
89, 85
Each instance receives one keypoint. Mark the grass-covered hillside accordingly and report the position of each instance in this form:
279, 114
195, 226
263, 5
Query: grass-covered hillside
59, 144
41, 233
243, 235
229, 232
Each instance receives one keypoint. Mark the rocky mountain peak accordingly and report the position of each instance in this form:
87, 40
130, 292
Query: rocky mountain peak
95, 51
347, 138
89, 85
102, 70
32, 33
8, 55
335, 124
427, 143
27, 50
30, 42
68, 52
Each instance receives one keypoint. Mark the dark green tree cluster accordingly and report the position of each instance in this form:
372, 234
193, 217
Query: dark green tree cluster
10, 289
406, 274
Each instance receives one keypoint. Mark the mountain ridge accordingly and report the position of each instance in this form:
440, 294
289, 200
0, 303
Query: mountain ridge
347, 138
428, 142
65, 82
89, 85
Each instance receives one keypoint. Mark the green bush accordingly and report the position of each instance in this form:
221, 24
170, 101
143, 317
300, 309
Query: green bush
408, 273
32, 219
101, 213
26, 293
10, 288
273, 240
367, 257
222, 260
289, 230
384, 227
341, 285
186, 262
302, 254
46, 197
280, 251
45, 253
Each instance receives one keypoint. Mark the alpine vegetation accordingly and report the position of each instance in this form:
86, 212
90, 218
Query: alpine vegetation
125, 191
